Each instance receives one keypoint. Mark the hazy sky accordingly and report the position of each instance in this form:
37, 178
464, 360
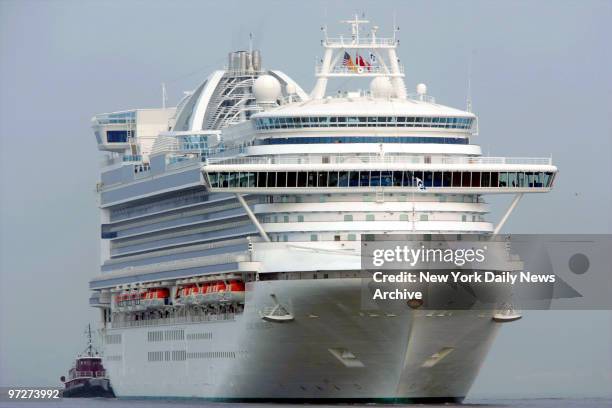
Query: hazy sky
541, 84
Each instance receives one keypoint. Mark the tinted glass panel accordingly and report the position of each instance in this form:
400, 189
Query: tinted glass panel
375, 178
476, 179
322, 179
494, 178
343, 179
397, 178
437, 180
281, 179
301, 182
456, 179
291, 179
446, 179
466, 179
364, 179
333, 179
312, 179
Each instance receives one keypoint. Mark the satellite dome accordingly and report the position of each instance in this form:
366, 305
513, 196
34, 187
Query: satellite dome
266, 89
421, 89
381, 87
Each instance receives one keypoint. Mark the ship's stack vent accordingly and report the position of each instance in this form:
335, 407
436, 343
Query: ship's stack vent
241, 62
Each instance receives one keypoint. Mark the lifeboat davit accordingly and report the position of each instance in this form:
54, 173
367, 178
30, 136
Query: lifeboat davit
128, 302
186, 295
211, 292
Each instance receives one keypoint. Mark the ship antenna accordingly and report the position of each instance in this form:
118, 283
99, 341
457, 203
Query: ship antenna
164, 95
469, 87
395, 29
89, 344
250, 43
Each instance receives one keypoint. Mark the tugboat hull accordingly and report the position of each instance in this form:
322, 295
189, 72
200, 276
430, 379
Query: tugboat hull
90, 388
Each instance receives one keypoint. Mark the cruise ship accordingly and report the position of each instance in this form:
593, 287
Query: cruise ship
231, 231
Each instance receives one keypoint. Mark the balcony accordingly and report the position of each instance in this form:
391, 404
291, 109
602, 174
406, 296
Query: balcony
341, 70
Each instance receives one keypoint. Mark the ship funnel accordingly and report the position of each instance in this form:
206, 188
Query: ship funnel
244, 62
256, 57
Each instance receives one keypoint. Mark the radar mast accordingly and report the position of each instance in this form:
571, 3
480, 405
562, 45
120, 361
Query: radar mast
374, 57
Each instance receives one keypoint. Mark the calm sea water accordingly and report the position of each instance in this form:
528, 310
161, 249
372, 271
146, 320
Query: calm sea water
134, 403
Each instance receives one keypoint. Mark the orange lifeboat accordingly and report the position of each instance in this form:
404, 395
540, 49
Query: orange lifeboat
213, 291
234, 291
220, 291
153, 298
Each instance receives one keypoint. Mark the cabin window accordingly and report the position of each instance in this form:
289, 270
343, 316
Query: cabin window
485, 180
333, 179
322, 179
291, 179
302, 178
374, 178
312, 179
364, 179
281, 179
476, 179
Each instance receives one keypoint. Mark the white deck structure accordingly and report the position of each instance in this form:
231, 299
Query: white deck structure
255, 180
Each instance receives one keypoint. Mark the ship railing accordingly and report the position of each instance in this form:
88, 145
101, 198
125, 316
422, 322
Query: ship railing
126, 158
84, 373
188, 318
359, 42
101, 373
343, 69
324, 159
421, 97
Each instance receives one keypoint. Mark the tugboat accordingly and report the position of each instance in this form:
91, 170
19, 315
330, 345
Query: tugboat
87, 378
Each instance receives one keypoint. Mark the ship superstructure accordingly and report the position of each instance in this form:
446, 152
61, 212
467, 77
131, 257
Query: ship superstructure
231, 240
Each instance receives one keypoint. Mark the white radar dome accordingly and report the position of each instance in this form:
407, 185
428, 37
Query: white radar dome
266, 89
291, 89
421, 89
381, 87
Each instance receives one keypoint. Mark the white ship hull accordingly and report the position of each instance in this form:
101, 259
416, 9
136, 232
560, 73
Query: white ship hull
387, 354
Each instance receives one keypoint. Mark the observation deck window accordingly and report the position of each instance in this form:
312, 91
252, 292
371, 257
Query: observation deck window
360, 139
378, 178
362, 121
118, 136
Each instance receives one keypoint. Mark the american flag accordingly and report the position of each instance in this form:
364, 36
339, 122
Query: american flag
348, 62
